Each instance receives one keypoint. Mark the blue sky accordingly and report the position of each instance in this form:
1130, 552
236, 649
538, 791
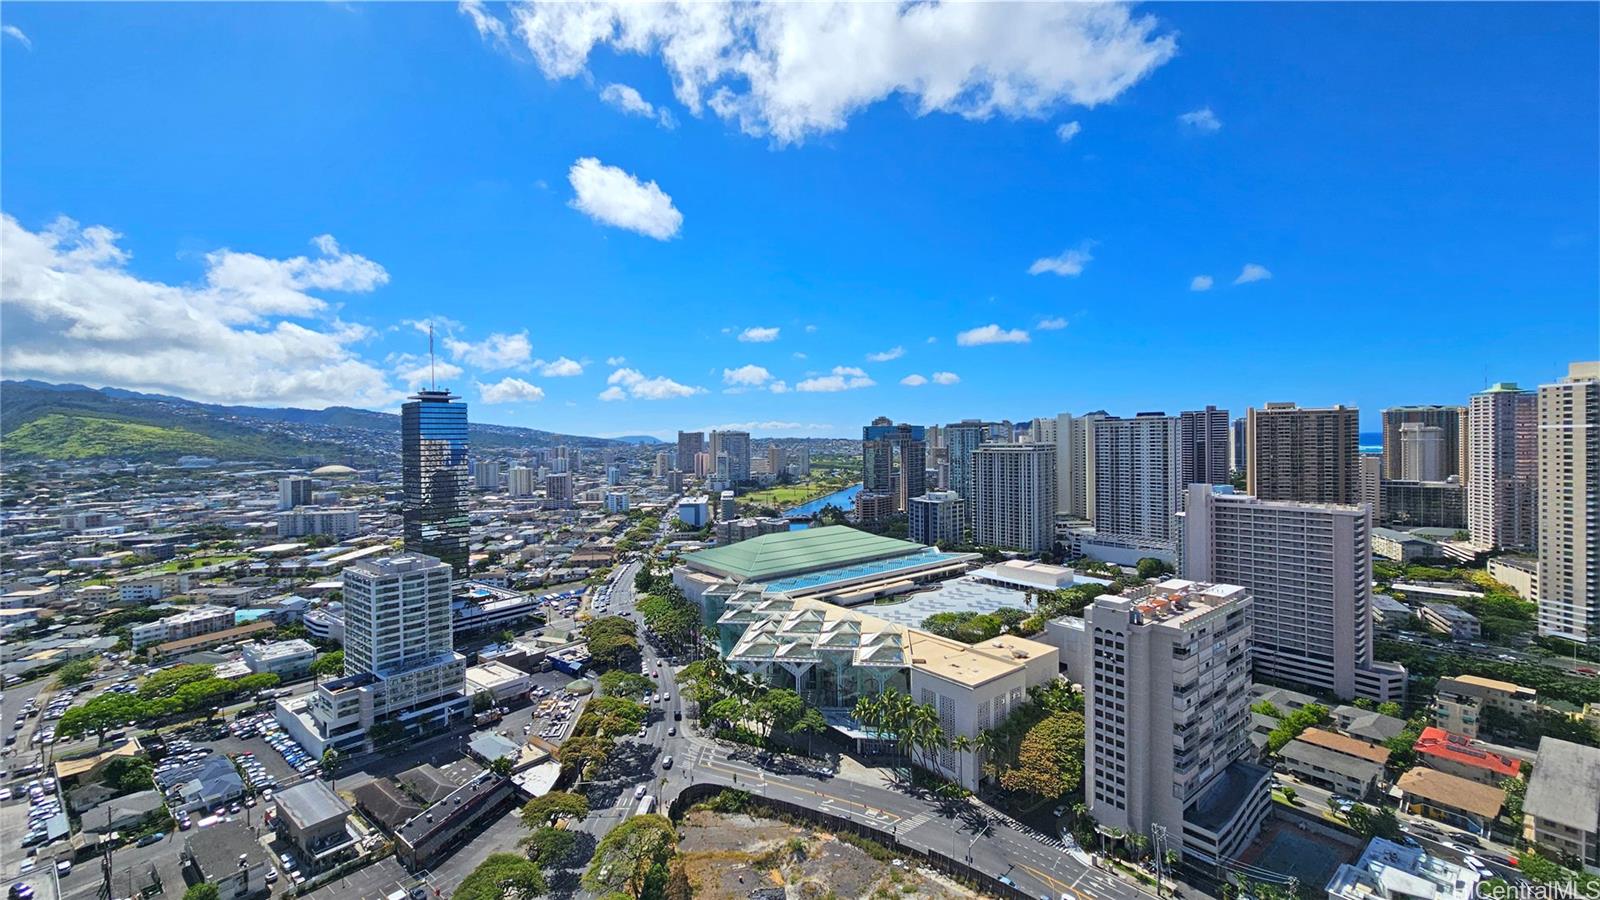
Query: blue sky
265, 199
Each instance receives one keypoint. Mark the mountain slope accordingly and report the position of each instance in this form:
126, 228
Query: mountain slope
69, 421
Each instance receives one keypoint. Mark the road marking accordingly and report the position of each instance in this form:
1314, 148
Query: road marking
1058, 886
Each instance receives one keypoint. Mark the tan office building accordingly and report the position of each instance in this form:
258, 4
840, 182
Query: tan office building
1569, 505
1502, 449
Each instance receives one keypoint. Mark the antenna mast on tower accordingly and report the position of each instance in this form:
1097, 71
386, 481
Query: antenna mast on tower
433, 384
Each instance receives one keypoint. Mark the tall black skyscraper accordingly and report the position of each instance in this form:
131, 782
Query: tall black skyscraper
433, 449
1203, 436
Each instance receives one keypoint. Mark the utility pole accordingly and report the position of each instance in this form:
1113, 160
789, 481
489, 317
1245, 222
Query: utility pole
1158, 833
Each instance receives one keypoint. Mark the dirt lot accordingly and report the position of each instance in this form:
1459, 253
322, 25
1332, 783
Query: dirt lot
728, 856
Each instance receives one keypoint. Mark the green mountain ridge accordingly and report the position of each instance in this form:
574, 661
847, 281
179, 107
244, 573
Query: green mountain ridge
41, 421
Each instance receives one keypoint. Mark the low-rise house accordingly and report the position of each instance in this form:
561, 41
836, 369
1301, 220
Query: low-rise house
1390, 871
282, 658
1449, 619
1402, 546
313, 819
1366, 724
229, 856
1348, 766
1456, 755
1460, 702
121, 813
430, 836
1461, 802
1561, 811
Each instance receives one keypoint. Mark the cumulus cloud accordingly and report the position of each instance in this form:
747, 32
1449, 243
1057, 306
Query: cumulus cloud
510, 390
758, 335
1054, 323
613, 197
629, 100
1069, 264
887, 355
843, 378
616, 360
1066, 131
746, 376
794, 70
991, 334
761, 428
914, 380
561, 367
1202, 119
779, 387
945, 378
1252, 272
250, 332
1200, 283
13, 31
416, 371
633, 383
497, 351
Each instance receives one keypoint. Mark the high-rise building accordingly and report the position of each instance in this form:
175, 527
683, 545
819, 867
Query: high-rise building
1167, 719
894, 460
702, 464
1422, 453
1306, 455
1238, 454
802, 461
1134, 469
1014, 491
486, 474
400, 664
1503, 456
675, 482
736, 444
1452, 452
1203, 446
1042, 431
1308, 568
433, 467
1074, 447
690, 445
1569, 505
936, 518
962, 439
1372, 486
294, 491
522, 481
663, 463
1423, 504
775, 461
614, 474
558, 489
334, 522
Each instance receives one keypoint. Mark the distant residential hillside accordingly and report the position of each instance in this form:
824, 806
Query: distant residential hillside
71, 422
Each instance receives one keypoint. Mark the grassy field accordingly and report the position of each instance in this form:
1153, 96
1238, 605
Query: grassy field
788, 495
202, 561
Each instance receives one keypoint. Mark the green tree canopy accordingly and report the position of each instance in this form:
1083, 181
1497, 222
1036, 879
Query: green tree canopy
631, 685
1050, 757
625, 856
500, 874
536, 813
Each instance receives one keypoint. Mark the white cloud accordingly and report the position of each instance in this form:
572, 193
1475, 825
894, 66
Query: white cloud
945, 378
762, 428
1067, 131
510, 390
497, 351
758, 335
613, 197
1202, 119
844, 378
991, 334
798, 355
616, 360
1054, 323
635, 384
800, 69
913, 381
629, 100
558, 368
248, 333
1070, 263
746, 376
887, 355
490, 28
15, 32
779, 387
932, 339
415, 370
1200, 283
811, 329
1252, 272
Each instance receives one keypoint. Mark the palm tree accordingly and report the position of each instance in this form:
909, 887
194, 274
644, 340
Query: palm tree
961, 744
985, 743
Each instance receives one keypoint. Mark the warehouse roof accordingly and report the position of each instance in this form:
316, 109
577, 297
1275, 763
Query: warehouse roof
774, 555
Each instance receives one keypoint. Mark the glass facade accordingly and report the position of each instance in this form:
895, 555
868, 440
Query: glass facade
433, 446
